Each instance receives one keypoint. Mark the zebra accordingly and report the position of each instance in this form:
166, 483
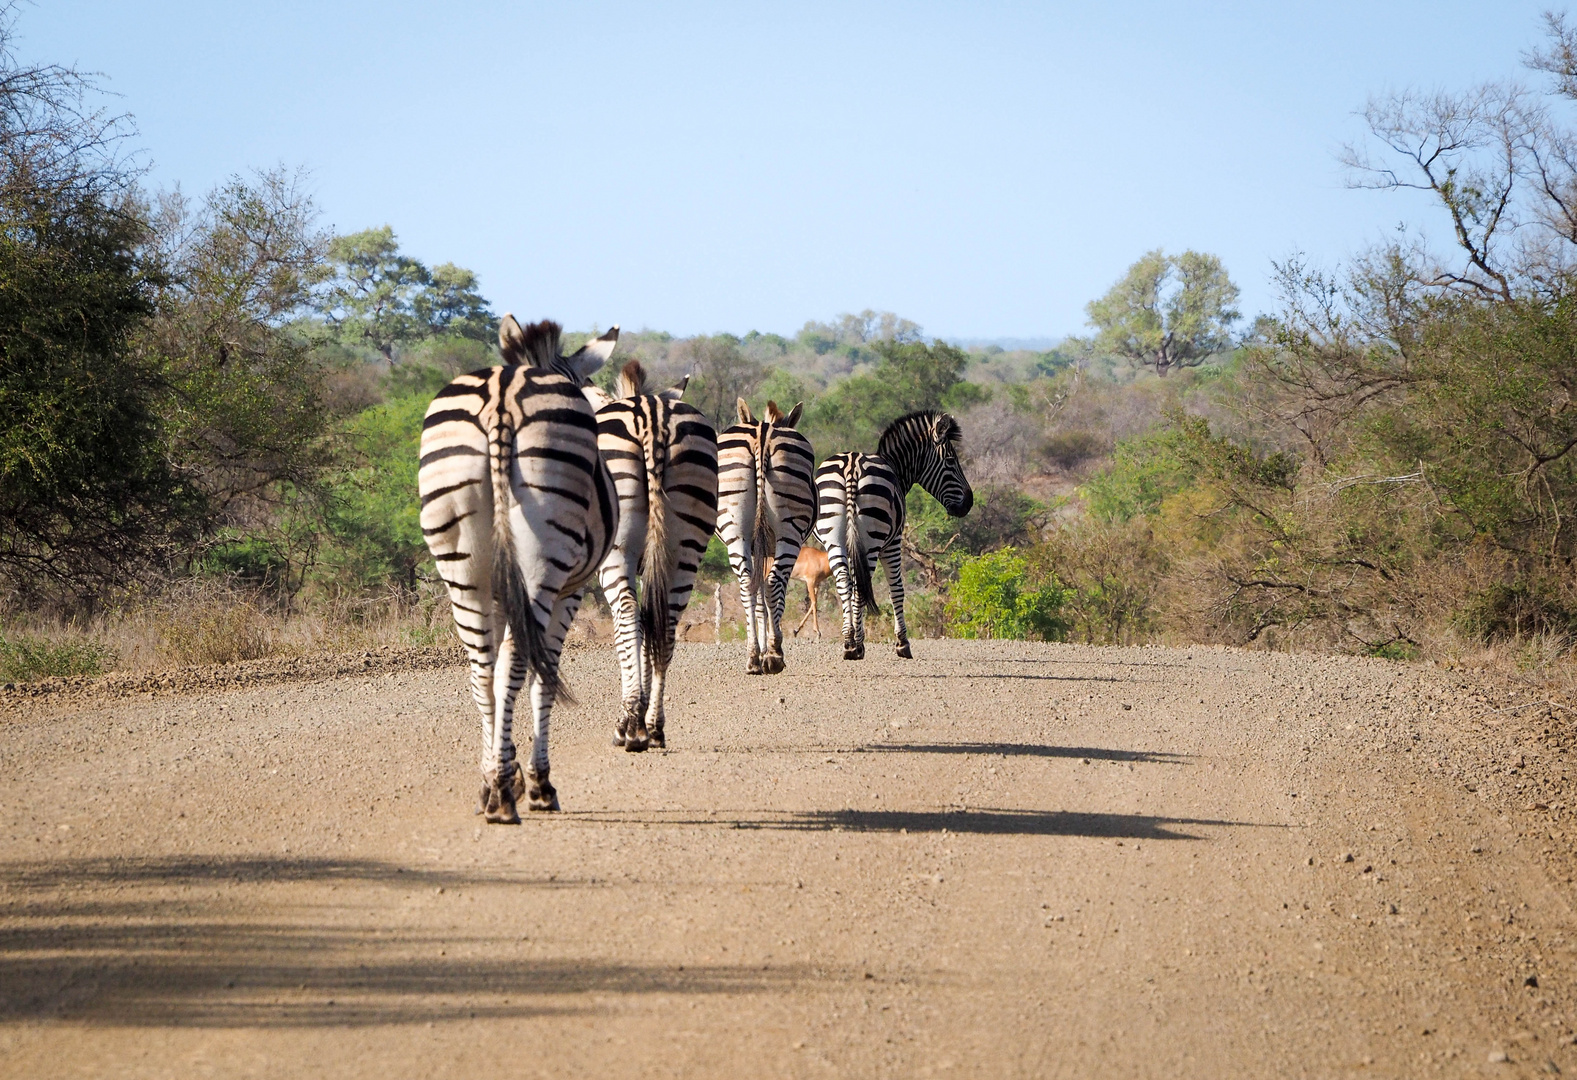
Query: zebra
765, 506
860, 512
663, 456
518, 511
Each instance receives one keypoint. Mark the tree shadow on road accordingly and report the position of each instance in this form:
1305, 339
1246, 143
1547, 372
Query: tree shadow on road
242, 869
1094, 753
174, 942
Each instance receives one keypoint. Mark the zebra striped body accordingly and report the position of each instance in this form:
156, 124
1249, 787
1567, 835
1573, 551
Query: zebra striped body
518, 511
765, 506
860, 513
663, 457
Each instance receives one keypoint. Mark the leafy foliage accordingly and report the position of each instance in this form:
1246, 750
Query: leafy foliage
1167, 311
24, 658
997, 597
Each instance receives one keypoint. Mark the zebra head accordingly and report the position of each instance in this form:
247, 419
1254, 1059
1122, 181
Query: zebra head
923, 448
537, 345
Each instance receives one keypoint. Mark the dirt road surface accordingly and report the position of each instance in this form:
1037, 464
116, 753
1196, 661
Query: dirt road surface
995, 860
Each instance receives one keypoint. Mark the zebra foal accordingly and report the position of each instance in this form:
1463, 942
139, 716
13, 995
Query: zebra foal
765, 505
860, 512
518, 511
663, 457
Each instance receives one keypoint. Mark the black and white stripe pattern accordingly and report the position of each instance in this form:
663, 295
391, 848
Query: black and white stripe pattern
519, 511
860, 512
663, 457
765, 505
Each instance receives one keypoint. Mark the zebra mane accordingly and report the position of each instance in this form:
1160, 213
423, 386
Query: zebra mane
923, 420
632, 380
542, 343
537, 345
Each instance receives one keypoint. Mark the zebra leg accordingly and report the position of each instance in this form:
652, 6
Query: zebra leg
540, 794
747, 600
618, 578
777, 598
843, 581
637, 734
501, 779
893, 558
482, 661
659, 654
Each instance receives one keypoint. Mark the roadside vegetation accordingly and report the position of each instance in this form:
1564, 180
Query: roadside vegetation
213, 408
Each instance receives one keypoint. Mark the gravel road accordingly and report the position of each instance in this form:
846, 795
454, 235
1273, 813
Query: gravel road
995, 860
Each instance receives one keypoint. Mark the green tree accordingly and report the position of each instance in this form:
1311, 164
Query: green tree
375, 287
450, 303
909, 376
244, 408
86, 495
720, 374
1167, 311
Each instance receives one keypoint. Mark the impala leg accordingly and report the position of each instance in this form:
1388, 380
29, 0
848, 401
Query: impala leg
810, 609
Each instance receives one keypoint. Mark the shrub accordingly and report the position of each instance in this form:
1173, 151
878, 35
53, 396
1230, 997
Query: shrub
1143, 472
1072, 448
25, 659
996, 597
1517, 609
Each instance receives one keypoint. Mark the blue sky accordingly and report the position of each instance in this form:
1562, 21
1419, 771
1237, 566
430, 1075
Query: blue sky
982, 168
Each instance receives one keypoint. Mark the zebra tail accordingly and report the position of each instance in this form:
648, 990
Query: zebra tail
864, 592
509, 584
657, 560
763, 537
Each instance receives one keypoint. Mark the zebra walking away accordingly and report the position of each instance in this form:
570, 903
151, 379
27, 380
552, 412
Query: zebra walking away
765, 506
518, 511
860, 513
663, 457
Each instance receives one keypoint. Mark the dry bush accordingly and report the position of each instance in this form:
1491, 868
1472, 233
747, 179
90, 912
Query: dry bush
213, 624
1115, 572
999, 442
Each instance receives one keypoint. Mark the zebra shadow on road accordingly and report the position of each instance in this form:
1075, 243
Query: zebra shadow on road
1090, 753
976, 820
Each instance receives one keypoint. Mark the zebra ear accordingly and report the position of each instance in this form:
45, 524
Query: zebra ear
792, 419
676, 391
745, 416
511, 340
592, 355
773, 414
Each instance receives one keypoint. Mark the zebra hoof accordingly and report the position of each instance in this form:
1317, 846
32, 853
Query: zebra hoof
753, 665
540, 794
498, 802
854, 652
636, 744
904, 653
771, 664
659, 741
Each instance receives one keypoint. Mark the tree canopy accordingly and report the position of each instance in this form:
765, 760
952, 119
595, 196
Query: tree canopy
1167, 311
